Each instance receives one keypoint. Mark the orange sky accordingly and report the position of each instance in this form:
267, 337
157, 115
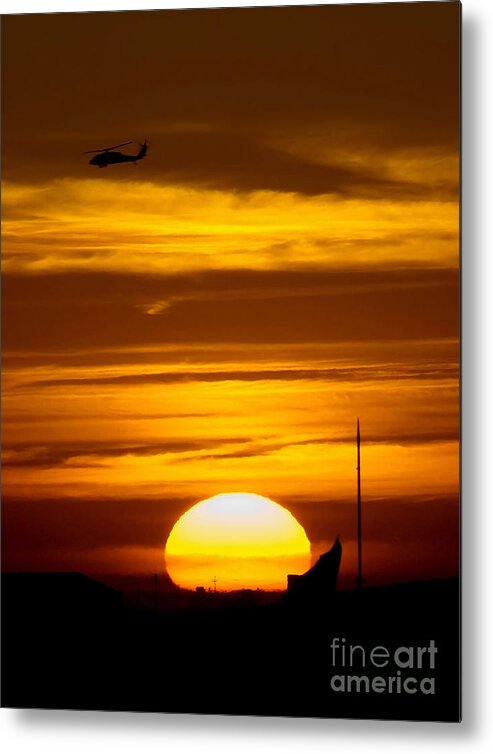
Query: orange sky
216, 317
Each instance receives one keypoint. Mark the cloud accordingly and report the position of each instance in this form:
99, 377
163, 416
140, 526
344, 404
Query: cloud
220, 307
79, 455
86, 524
43, 417
419, 535
352, 74
361, 373
268, 447
97, 454
232, 162
128, 225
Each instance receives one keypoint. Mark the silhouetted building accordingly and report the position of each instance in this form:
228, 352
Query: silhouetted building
319, 582
292, 578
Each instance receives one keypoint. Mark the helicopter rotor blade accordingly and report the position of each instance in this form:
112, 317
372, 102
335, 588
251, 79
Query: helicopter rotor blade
123, 144
108, 149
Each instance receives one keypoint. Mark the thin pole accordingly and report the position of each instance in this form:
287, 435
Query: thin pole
359, 582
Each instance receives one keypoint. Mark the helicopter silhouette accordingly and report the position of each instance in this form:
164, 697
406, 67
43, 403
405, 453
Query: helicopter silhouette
105, 157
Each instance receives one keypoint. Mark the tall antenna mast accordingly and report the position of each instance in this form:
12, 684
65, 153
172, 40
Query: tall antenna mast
359, 581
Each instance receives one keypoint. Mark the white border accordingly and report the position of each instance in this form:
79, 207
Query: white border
57, 6
78, 732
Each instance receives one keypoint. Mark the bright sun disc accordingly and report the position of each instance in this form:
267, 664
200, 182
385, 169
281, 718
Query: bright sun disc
239, 541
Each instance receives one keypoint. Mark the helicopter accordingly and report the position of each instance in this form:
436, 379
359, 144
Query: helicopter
105, 157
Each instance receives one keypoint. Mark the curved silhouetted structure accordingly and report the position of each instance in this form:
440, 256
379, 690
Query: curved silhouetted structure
313, 587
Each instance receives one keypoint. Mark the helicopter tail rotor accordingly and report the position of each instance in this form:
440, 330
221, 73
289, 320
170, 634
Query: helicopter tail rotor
143, 149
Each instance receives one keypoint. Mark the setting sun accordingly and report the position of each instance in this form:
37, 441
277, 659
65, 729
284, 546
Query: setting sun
238, 540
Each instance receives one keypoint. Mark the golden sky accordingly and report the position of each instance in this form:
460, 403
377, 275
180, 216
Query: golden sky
215, 317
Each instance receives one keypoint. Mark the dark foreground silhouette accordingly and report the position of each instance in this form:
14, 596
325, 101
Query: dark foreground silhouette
70, 642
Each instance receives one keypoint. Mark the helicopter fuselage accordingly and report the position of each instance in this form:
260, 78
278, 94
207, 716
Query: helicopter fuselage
112, 158
105, 157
